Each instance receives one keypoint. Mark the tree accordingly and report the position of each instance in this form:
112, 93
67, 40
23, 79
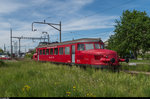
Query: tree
132, 33
1, 51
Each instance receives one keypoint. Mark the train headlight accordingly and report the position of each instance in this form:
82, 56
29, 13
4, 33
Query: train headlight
105, 56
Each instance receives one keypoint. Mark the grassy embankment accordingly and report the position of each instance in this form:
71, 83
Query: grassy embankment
33, 79
141, 65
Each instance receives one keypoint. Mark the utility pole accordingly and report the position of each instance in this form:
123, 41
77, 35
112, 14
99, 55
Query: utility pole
60, 31
25, 49
19, 45
19, 38
4, 49
11, 42
50, 24
48, 37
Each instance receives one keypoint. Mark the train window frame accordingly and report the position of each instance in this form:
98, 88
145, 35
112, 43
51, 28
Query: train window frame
97, 44
80, 46
66, 51
47, 51
43, 51
89, 48
55, 51
51, 51
102, 46
61, 50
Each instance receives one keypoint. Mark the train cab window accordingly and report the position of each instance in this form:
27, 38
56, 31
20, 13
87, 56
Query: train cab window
56, 51
89, 46
51, 51
43, 51
67, 50
40, 52
97, 46
81, 47
47, 51
102, 46
61, 51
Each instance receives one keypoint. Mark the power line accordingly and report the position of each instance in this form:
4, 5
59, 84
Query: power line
97, 34
115, 6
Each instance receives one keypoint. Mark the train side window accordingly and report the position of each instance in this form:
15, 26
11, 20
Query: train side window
67, 50
97, 46
56, 51
47, 51
40, 52
51, 51
43, 51
102, 46
89, 46
61, 51
81, 47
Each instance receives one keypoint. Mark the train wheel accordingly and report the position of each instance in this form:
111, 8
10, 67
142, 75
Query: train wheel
116, 69
96, 69
84, 67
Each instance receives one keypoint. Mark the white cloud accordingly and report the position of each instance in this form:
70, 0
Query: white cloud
93, 22
68, 11
7, 7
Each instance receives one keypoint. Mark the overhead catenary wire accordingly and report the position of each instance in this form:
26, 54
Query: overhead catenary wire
115, 6
110, 8
91, 35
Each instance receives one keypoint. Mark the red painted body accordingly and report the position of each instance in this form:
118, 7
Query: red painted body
4, 57
93, 57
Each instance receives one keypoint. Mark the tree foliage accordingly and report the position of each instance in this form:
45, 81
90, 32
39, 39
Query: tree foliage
1, 51
132, 33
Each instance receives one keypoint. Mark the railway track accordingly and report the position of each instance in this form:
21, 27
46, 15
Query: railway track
136, 72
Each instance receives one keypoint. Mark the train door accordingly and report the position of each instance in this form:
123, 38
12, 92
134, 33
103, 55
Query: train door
73, 53
38, 52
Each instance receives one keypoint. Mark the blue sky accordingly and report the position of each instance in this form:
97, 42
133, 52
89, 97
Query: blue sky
80, 18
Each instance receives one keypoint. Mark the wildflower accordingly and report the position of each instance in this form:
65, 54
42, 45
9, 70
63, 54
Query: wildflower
87, 94
74, 88
68, 93
90, 95
26, 87
22, 89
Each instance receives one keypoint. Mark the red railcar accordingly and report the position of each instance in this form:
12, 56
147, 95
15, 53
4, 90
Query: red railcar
84, 52
4, 57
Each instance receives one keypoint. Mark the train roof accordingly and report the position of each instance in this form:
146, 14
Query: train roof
71, 42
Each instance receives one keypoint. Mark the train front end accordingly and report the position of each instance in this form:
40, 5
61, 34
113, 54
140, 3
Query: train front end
105, 58
96, 56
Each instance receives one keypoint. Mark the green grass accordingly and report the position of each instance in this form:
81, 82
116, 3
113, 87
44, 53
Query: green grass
141, 65
138, 67
142, 61
50, 80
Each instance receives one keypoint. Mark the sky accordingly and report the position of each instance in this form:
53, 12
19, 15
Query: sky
79, 18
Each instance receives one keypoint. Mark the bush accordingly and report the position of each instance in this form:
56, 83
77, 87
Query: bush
28, 55
147, 56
